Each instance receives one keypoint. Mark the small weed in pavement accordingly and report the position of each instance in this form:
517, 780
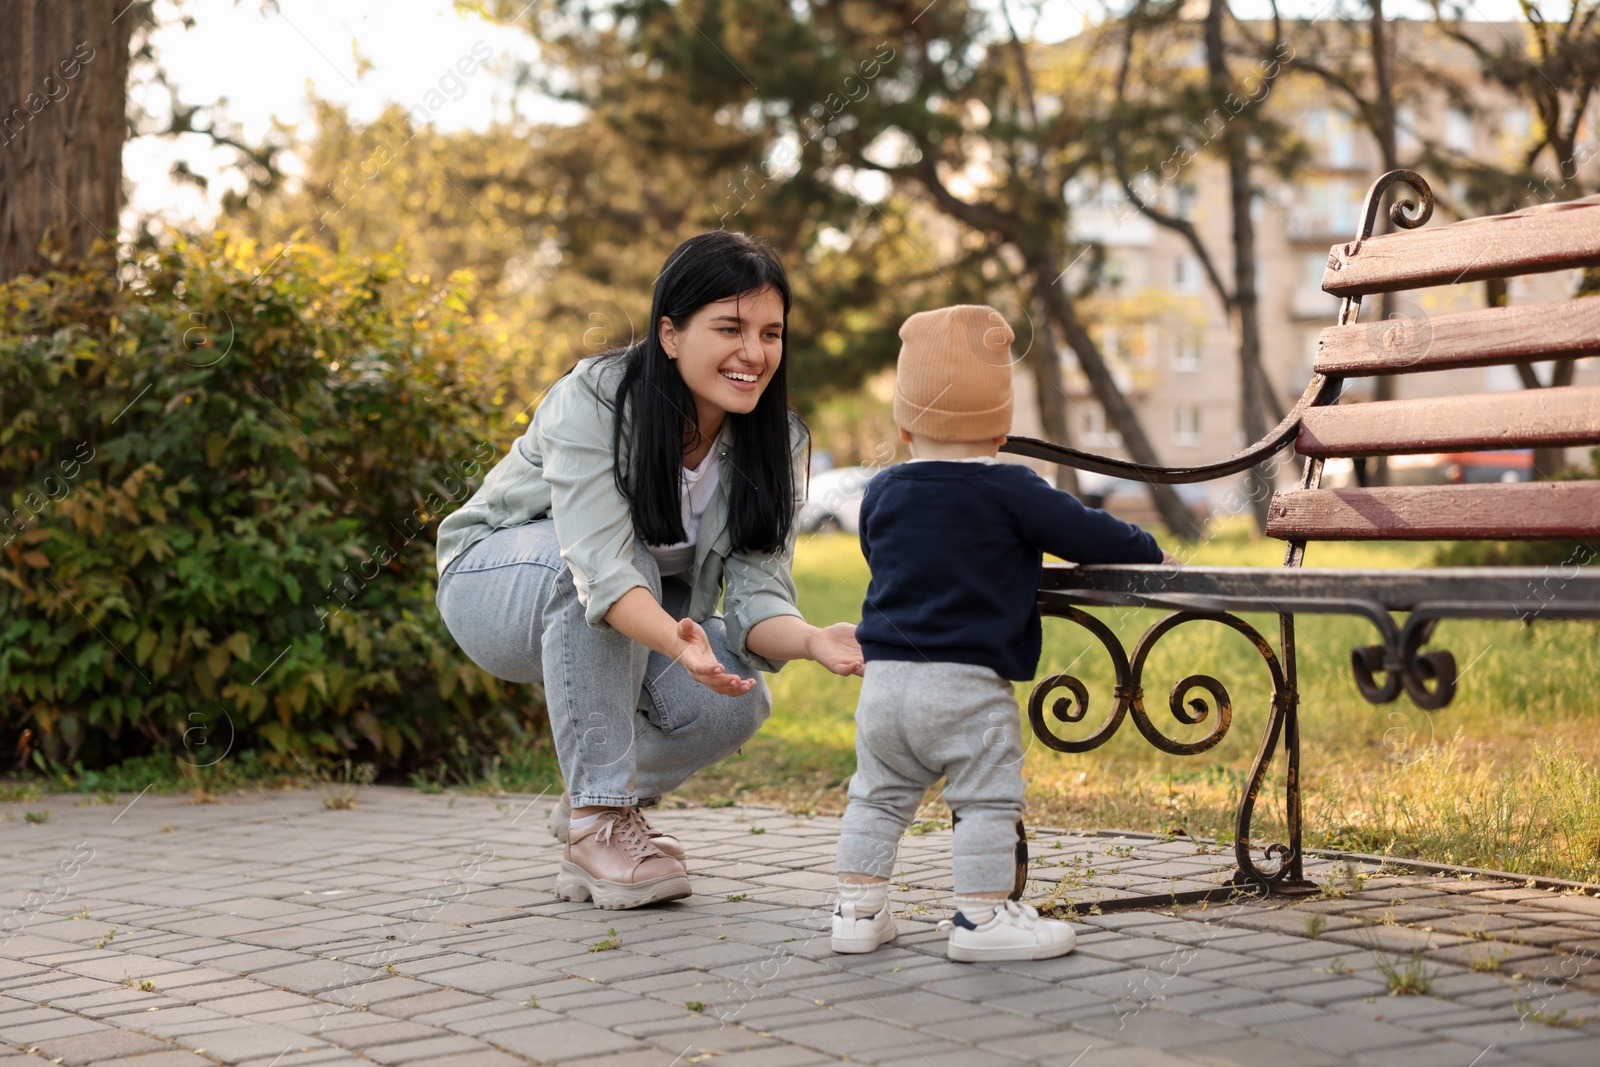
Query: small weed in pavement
1407, 979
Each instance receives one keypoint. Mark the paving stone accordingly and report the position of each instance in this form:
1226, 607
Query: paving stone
248, 1040
1578, 1052
254, 1003
1255, 1051
97, 1047
561, 1040
963, 1057
912, 1008
1057, 1044
170, 1058
426, 1048
1345, 1035
1154, 1027
845, 1036
481, 1057
53, 1025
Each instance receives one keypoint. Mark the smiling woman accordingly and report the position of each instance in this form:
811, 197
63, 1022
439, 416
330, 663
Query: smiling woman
653, 482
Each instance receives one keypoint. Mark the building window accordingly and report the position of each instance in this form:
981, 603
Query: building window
1110, 343
1186, 428
1406, 142
1314, 265
1517, 125
1185, 196
1330, 131
1092, 420
1345, 206
1458, 130
1329, 208
1341, 141
1186, 356
1185, 274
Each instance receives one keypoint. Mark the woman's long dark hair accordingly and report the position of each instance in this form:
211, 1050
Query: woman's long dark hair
656, 410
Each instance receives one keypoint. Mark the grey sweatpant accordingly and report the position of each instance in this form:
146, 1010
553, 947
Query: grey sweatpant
915, 723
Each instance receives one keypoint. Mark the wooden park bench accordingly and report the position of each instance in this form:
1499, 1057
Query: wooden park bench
1538, 239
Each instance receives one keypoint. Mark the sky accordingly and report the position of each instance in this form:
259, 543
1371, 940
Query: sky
268, 65
364, 54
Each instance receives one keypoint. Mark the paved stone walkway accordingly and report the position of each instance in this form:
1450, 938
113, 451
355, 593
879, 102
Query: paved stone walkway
275, 930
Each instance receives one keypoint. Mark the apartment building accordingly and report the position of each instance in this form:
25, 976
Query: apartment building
1166, 334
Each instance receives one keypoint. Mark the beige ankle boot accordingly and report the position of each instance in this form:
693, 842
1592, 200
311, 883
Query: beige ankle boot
561, 818
612, 862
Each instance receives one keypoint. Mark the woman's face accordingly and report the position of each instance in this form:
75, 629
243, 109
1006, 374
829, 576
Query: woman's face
727, 352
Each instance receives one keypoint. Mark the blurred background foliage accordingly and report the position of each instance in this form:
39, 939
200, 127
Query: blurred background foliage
230, 469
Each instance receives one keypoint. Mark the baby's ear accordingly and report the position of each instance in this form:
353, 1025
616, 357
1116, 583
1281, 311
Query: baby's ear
905, 435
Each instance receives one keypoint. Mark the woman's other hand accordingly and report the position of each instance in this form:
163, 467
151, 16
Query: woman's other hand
702, 664
836, 648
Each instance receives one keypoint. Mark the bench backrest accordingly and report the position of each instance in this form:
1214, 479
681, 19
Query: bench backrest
1535, 240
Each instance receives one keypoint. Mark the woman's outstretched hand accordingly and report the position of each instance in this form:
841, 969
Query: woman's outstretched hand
702, 664
836, 648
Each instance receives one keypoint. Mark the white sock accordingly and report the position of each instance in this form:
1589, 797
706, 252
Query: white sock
978, 910
869, 898
579, 824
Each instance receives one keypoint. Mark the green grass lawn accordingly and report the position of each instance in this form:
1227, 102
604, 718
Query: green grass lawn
1505, 777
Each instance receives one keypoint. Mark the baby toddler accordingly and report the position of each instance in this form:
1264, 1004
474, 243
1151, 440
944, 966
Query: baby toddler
955, 542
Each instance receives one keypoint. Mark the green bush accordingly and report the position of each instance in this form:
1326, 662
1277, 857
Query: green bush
221, 482
1526, 553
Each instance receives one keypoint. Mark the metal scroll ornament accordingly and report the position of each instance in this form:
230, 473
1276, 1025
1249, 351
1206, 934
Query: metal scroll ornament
1071, 704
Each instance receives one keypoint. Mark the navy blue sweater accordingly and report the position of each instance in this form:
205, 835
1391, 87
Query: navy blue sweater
956, 551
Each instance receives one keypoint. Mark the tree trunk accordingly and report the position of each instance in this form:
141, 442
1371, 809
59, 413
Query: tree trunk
1045, 362
1118, 411
63, 76
1549, 461
1383, 122
1246, 307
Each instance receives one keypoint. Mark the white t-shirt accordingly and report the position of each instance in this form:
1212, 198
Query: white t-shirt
698, 486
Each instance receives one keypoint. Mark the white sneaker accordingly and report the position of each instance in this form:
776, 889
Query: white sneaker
1015, 933
853, 932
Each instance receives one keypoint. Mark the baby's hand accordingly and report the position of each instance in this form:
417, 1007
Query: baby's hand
1169, 559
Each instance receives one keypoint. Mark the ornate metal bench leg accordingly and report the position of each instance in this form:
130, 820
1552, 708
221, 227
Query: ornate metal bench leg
1022, 862
1283, 722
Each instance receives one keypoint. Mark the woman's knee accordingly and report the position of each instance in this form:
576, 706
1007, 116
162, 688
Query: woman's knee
754, 708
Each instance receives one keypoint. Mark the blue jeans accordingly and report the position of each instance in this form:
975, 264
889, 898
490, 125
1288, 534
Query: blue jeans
629, 723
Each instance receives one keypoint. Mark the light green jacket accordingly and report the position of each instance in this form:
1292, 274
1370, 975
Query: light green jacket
563, 468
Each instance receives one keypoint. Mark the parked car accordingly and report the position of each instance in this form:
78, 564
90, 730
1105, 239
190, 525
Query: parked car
833, 499
1442, 468
1129, 499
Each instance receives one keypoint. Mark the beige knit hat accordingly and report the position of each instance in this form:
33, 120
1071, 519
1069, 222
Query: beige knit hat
953, 382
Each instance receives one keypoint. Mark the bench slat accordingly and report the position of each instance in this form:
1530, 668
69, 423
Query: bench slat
1561, 330
1526, 511
1568, 415
1520, 589
1534, 240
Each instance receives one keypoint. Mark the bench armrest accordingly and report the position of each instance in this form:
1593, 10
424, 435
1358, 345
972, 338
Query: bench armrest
1321, 390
